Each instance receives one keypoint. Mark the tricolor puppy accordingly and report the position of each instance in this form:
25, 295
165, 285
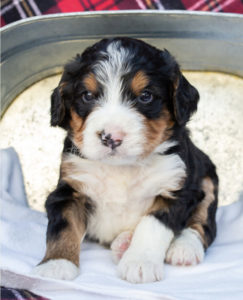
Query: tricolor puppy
130, 176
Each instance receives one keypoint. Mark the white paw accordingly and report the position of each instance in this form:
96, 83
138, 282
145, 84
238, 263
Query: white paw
140, 269
120, 245
185, 250
57, 269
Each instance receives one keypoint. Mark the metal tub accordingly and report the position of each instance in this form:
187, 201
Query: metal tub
38, 47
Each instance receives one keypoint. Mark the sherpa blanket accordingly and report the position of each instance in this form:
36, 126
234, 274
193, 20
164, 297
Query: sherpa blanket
220, 276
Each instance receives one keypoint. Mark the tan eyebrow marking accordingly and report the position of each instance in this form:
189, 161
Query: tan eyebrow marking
139, 82
91, 83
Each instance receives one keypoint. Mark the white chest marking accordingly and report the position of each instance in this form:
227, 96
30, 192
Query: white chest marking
123, 194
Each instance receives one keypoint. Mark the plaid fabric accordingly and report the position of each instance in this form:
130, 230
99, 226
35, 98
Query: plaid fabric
14, 294
13, 10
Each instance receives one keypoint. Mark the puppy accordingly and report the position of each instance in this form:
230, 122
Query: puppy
130, 176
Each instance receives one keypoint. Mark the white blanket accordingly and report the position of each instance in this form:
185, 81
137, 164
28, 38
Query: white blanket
220, 276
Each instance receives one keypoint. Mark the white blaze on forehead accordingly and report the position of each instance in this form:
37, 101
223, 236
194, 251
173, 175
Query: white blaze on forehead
111, 68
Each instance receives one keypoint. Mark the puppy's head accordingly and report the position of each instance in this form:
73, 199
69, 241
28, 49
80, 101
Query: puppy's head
121, 99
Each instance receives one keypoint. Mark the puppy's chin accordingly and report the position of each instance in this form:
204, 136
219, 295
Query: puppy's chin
117, 160
112, 157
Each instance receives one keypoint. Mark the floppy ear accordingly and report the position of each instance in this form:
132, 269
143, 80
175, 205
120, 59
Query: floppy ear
61, 97
185, 98
57, 108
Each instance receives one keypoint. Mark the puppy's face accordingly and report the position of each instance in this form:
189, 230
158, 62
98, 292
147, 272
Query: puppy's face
121, 99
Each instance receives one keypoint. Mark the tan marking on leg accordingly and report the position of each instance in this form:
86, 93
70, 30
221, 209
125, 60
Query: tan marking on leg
200, 216
67, 244
139, 82
201, 213
91, 83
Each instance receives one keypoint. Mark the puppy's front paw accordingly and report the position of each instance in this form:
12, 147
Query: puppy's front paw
185, 250
140, 269
57, 269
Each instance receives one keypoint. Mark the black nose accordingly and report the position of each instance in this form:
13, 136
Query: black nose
107, 140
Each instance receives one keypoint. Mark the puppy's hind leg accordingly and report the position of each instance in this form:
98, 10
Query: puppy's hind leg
120, 244
189, 247
186, 249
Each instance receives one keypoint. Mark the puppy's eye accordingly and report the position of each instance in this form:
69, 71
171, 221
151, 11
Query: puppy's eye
146, 97
87, 97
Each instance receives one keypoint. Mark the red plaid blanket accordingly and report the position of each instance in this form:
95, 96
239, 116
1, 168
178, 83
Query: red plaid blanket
15, 294
13, 10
